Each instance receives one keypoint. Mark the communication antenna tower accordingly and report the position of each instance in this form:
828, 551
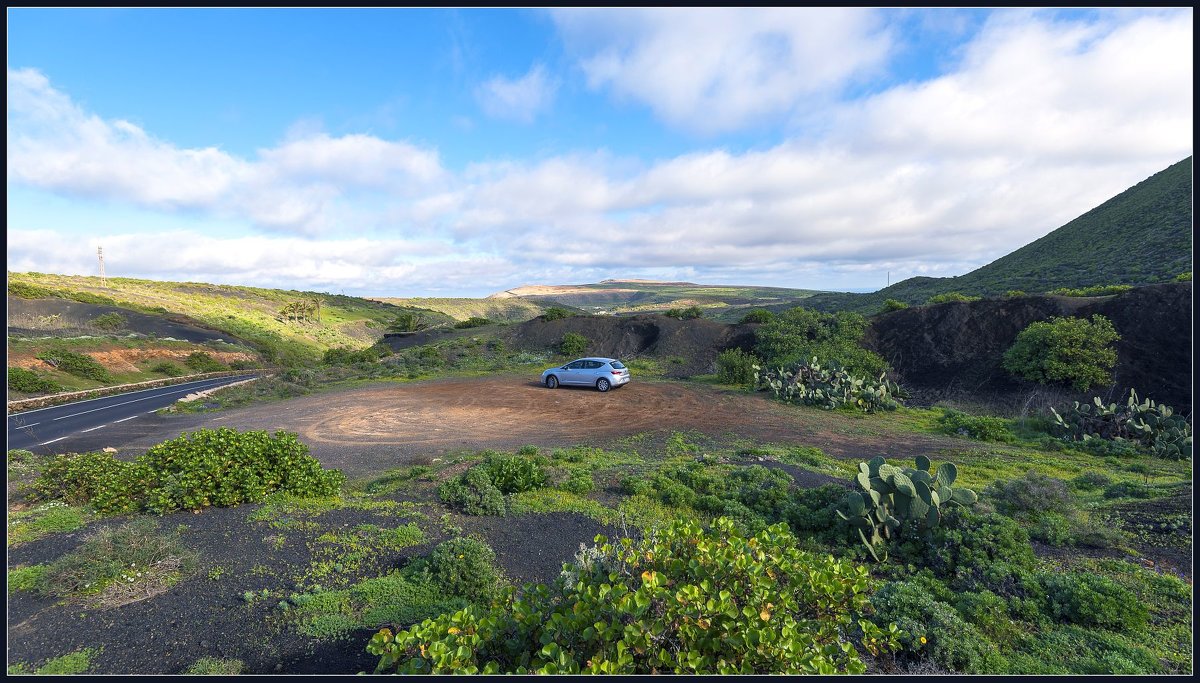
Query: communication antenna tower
100, 256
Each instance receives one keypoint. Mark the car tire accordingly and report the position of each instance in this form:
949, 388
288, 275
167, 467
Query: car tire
552, 382
603, 385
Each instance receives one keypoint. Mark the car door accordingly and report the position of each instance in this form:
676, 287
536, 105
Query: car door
574, 373
591, 371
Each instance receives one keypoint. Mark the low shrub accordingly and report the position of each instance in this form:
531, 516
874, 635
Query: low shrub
685, 600
556, 313
810, 514
76, 364
890, 305
221, 468
111, 321
1091, 600
471, 322
949, 297
830, 386
466, 568
1014, 293
1032, 494
1126, 489
1095, 290
167, 368
758, 315
735, 366
1071, 351
344, 355
473, 492
1153, 426
203, 362
1182, 277
1090, 481
689, 313
211, 666
134, 555
514, 473
933, 629
30, 382
979, 427
573, 344
26, 290
979, 550
580, 483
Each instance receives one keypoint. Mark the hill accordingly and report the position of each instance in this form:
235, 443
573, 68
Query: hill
1141, 236
623, 297
513, 309
248, 314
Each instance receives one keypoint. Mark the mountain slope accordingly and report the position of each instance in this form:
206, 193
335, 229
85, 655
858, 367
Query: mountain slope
1141, 236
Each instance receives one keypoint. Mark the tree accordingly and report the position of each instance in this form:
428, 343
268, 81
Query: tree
1071, 351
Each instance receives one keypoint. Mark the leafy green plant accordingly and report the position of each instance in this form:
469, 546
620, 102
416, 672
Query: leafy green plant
901, 502
221, 467
686, 600
1154, 426
76, 364
408, 321
934, 629
111, 321
689, 313
1091, 600
556, 313
30, 382
979, 427
1095, 290
466, 567
203, 362
514, 473
758, 315
473, 492
168, 368
1065, 350
829, 386
117, 561
1184, 277
1014, 293
799, 334
471, 322
949, 297
1032, 494
890, 305
211, 666
344, 355
735, 366
573, 344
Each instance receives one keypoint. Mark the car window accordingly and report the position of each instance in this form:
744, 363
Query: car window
592, 365
617, 365
577, 365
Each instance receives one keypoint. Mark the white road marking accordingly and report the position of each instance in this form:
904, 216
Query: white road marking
124, 419
28, 426
99, 398
144, 398
47, 443
85, 431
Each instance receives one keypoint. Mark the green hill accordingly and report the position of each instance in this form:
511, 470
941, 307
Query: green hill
1141, 236
252, 314
501, 310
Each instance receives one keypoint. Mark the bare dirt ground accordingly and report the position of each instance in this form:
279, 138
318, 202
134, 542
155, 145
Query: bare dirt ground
367, 430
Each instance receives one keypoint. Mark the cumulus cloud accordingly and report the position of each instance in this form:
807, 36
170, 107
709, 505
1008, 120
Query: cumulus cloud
1042, 120
713, 70
520, 99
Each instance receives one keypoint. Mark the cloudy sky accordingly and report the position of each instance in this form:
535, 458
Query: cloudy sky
460, 152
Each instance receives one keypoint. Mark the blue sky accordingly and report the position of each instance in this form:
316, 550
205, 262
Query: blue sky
460, 152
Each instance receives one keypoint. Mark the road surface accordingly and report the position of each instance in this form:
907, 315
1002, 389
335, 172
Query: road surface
40, 430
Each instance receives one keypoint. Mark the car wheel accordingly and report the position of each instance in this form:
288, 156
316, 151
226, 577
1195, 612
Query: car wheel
602, 385
552, 382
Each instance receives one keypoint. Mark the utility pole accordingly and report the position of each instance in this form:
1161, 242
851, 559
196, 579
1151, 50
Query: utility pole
100, 256
889, 278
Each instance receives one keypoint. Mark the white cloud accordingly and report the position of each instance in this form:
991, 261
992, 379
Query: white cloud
714, 70
520, 99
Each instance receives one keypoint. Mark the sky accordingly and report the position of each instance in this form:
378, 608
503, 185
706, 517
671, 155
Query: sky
460, 152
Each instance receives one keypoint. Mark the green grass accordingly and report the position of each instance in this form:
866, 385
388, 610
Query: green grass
49, 518
338, 557
210, 666
28, 578
74, 663
503, 310
556, 500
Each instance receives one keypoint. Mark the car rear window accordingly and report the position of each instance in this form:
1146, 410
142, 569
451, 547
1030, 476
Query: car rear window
617, 364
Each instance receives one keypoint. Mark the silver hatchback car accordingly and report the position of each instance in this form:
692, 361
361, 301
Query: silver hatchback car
602, 373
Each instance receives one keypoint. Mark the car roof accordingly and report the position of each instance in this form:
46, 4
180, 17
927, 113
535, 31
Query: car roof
606, 360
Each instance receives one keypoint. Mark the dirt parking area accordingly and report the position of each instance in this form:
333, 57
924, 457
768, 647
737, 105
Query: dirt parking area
367, 430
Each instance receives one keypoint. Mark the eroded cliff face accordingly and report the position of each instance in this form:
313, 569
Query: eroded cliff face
954, 348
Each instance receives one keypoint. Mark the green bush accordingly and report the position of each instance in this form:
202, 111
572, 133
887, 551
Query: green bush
689, 313
471, 322
890, 305
758, 315
979, 551
211, 666
556, 313
1014, 293
735, 366
220, 468
1182, 277
1032, 494
1090, 481
1092, 600
203, 362
934, 629
473, 492
579, 483
76, 364
408, 321
573, 344
466, 568
167, 368
30, 382
799, 334
344, 355
1096, 290
686, 600
117, 553
975, 426
111, 321
810, 514
949, 297
25, 290
1126, 489
514, 473
1065, 350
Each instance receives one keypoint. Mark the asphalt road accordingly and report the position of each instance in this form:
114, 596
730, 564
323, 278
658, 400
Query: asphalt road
42, 430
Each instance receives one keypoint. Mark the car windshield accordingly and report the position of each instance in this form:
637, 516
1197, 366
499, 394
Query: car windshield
617, 364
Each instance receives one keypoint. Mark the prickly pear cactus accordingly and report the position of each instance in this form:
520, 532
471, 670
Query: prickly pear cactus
894, 501
829, 386
1154, 426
